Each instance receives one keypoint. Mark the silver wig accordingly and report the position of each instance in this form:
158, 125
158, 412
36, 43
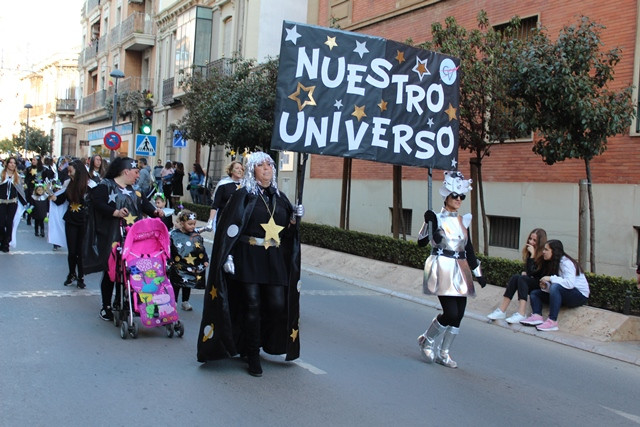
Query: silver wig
249, 180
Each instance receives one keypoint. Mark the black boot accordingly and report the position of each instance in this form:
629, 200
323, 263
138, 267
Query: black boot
80, 283
255, 369
70, 278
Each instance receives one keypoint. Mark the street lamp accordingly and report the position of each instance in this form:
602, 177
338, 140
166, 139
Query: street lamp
115, 74
26, 137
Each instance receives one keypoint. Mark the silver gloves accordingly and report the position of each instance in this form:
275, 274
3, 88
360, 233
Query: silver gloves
229, 266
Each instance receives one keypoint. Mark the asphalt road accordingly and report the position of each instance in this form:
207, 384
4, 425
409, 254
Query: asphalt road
61, 365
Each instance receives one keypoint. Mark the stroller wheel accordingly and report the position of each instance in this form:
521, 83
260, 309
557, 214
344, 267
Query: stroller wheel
124, 330
170, 330
179, 328
133, 330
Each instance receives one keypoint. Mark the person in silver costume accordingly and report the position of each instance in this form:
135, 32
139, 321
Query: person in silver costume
447, 271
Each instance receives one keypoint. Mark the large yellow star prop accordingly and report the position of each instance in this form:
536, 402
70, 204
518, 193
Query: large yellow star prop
294, 334
189, 258
331, 42
213, 293
295, 96
130, 219
75, 207
271, 231
451, 112
358, 112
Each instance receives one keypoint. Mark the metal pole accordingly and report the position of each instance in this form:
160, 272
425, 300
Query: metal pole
112, 155
26, 137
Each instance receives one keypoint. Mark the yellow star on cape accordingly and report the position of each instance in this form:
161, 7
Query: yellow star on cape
190, 258
295, 96
358, 112
130, 219
75, 207
34, 171
271, 231
294, 334
451, 112
400, 57
331, 42
382, 105
213, 293
197, 245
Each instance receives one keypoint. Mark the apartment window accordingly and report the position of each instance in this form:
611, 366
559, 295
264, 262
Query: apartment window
504, 231
406, 219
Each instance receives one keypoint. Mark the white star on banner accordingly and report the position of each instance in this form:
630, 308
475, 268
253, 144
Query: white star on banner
454, 162
338, 104
430, 122
421, 68
361, 48
292, 34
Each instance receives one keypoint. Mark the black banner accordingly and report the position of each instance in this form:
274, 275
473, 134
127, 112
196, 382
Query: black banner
347, 94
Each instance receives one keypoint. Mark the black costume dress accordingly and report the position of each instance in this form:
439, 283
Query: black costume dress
221, 330
10, 194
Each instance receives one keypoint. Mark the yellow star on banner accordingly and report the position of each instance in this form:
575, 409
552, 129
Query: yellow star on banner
294, 334
213, 293
451, 112
271, 231
130, 219
75, 207
400, 57
382, 105
358, 112
331, 42
190, 258
295, 96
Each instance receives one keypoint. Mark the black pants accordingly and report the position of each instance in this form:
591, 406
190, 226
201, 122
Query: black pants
39, 226
523, 284
75, 236
186, 292
268, 299
452, 310
7, 212
106, 290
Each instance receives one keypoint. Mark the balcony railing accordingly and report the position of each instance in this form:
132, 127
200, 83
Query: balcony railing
65, 104
103, 44
137, 22
93, 102
129, 84
220, 66
114, 34
167, 91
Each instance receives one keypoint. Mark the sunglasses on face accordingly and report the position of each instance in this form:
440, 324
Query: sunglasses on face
456, 196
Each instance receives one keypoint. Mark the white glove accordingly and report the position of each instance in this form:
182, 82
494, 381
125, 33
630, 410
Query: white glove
228, 266
299, 211
209, 226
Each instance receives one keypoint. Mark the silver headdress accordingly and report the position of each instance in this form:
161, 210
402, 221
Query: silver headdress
249, 180
454, 182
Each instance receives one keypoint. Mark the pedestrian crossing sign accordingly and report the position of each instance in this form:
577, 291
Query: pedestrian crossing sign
146, 145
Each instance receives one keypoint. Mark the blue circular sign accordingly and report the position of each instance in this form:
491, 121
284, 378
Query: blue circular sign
112, 140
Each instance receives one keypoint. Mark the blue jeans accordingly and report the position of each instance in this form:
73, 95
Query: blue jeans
556, 297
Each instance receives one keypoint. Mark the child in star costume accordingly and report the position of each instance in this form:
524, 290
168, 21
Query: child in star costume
161, 203
189, 258
40, 202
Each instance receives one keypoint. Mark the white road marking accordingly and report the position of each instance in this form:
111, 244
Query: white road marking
630, 417
309, 367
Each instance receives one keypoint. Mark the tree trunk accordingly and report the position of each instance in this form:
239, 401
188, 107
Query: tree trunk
485, 227
345, 199
398, 218
592, 219
478, 196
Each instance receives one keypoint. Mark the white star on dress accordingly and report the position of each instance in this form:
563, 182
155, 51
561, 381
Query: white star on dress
125, 191
456, 255
292, 34
361, 48
338, 104
179, 245
112, 197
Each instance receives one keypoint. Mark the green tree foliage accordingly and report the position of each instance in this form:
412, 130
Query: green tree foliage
39, 141
563, 89
6, 146
232, 109
484, 120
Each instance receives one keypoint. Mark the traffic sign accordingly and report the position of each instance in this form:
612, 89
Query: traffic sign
178, 139
112, 140
146, 145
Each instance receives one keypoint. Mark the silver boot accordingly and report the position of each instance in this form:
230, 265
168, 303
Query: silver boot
442, 356
427, 341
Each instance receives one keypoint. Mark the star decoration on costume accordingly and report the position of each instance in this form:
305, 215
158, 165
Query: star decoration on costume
400, 57
361, 48
197, 245
292, 34
338, 104
331, 42
358, 112
134, 165
125, 191
451, 112
179, 245
271, 231
239, 186
295, 96
430, 122
294, 334
112, 197
130, 219
454, 163
75, 207
382, 105
421, 68
190, 259
213, 293
185, 280
207, 332
440, 251
192, 216
34, 171
456, 255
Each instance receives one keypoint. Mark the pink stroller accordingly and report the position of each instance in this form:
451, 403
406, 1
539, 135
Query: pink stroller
143, 262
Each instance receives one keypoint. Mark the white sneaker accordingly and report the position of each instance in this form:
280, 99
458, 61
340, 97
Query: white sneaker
186, 306
515, 318
497, 314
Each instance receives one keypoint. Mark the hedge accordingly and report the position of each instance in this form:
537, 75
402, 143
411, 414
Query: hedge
607, 292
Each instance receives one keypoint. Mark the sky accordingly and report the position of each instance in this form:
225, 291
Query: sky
33, 30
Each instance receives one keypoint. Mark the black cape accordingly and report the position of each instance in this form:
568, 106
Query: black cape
221, 333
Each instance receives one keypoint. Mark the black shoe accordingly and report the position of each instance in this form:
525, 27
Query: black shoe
255, 369
42, 234
70, 278
106, 314
80, 283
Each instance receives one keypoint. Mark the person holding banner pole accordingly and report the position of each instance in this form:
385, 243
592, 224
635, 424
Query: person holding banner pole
447, 271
